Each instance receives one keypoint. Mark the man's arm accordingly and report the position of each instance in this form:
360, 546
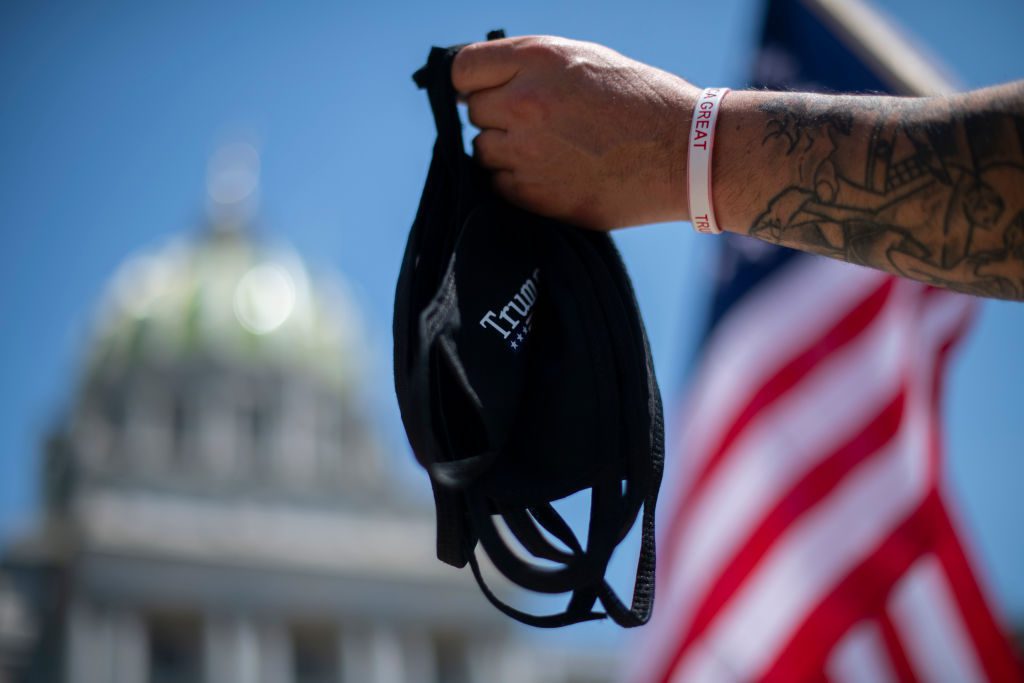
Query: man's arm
929, 188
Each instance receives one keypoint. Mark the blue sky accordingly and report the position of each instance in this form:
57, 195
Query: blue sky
109, 112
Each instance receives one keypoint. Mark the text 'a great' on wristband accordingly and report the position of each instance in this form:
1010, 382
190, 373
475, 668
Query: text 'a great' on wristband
698, 165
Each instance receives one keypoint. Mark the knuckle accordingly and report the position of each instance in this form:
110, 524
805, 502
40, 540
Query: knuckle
544, 49
528, 104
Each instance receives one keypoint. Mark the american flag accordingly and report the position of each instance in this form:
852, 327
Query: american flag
810, 538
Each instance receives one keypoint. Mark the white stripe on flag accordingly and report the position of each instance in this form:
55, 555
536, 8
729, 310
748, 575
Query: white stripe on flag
861, 657
941, 316
827, 542
777, 317
836, 400
816, 552
930, 626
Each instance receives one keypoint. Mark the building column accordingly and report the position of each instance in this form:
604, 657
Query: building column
131, 648
88, 650
507, 662
240, 650
104, 646
420, 657
372, 654
275, 651
231, 651
353, 654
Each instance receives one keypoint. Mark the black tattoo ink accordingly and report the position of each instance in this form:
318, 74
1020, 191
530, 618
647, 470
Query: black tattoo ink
938, 201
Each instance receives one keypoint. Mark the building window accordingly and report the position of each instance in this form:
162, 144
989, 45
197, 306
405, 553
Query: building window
254, 423
175, 648
315, 653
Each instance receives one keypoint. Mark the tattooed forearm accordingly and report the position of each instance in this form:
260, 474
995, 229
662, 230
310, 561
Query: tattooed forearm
932, 189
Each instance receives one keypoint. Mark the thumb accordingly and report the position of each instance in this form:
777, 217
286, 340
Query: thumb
487, 64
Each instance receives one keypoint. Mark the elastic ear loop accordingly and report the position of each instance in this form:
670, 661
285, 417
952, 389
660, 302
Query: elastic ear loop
605, 503
611, 512
546, 515
452, 526
436, 78
540, 621
643, 591
581, 603
526, 531
437, 72
642, 482
525, 528
579, 571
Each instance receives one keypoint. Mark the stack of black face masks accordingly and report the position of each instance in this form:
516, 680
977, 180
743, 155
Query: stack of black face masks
523, 375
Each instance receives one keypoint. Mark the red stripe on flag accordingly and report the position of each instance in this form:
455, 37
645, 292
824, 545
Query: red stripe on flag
939, 373
787, 377
897, 655
864, 590
807, 492
994, 651
988, 638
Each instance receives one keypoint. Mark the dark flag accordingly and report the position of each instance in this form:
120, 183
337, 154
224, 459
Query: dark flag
809, 538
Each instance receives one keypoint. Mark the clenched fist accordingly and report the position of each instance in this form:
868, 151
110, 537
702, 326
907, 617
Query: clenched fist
577, 131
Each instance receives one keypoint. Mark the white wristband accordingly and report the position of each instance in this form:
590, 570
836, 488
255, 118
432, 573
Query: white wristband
698, 164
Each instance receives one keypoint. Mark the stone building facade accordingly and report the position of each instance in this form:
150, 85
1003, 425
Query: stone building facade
218, 510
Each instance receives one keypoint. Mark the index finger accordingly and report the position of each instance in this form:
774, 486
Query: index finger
483, 65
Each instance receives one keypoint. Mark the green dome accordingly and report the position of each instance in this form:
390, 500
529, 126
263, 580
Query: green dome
223, 296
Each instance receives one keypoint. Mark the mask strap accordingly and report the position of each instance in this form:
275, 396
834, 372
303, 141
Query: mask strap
581, 571
606, 499
547, 517
580, 607
436, 78
573, 615
643, 588
525, 530
452, 525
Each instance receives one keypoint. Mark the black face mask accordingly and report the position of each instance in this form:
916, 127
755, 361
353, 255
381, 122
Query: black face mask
524, 375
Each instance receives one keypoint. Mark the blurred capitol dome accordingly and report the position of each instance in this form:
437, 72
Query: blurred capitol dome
218, 360
220, 353
224, 295
218, 509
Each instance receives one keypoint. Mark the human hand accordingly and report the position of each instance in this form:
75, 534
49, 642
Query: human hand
577, 131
